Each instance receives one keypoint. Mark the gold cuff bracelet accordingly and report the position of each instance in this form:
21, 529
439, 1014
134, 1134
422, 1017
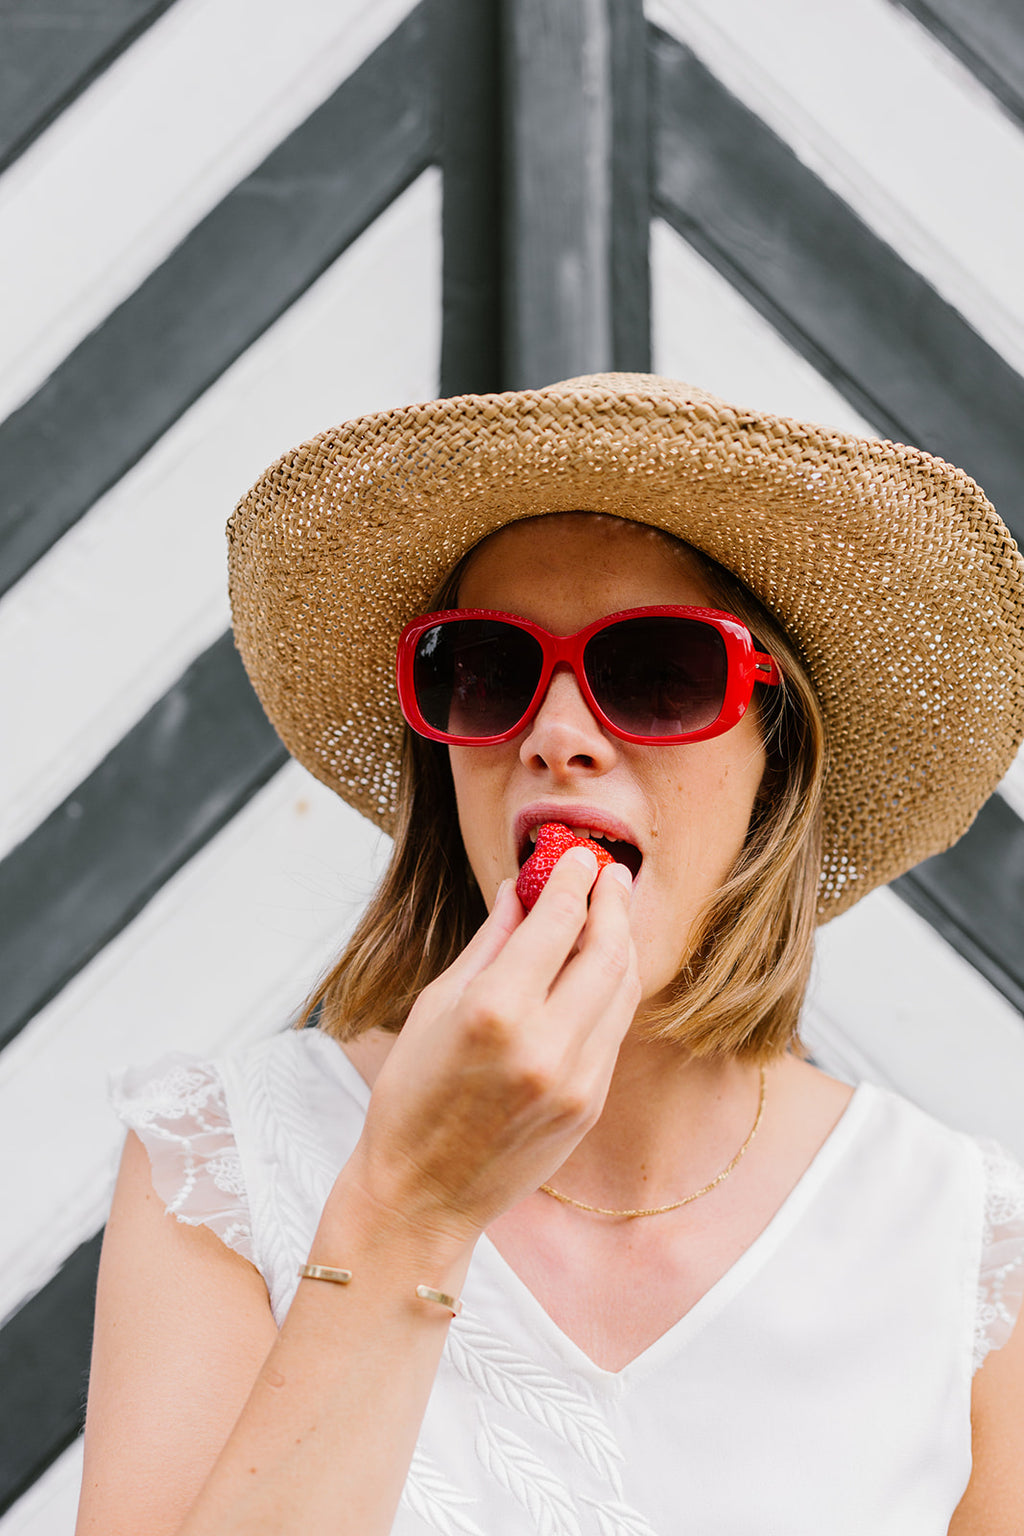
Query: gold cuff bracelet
343, 1276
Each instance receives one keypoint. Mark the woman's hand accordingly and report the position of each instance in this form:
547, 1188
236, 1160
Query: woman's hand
505, 1060
503, 1065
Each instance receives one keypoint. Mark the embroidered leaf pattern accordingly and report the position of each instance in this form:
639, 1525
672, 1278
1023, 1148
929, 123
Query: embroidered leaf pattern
617, 1519
511, 1463
437, 1502
492, 1366
299, 1176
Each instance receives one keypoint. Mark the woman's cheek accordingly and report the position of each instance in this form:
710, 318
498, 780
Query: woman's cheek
657, 925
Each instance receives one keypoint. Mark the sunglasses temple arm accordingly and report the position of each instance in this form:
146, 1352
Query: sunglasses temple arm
766, 670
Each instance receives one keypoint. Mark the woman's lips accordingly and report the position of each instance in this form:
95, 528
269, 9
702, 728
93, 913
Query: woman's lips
586, 821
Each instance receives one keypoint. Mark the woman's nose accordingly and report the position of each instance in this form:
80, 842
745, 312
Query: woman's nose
565, 733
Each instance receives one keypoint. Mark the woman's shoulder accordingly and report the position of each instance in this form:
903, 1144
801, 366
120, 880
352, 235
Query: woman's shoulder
1001, 1173
211, 1125
177, 1108
178, 1090
970, 1183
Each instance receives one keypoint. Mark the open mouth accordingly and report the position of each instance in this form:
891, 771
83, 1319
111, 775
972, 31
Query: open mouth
622, 852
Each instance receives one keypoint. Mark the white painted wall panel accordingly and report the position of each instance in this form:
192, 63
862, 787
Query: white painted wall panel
105, 194
102, 625
225, 952
894, 124
1012, 787
892, 1003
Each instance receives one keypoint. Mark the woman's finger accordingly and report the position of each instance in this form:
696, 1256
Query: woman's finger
605, 964
603, 1030
538, 949
600, 1048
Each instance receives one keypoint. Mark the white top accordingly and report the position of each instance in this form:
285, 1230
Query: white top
822, 1384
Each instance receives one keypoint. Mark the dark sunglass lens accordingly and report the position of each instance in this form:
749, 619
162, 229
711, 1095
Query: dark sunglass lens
475, 677
658, 676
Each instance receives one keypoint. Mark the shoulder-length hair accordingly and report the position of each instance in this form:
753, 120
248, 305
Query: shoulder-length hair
740, 988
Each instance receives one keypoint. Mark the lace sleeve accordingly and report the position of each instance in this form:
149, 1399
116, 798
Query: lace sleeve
1001, 1278
179, 1112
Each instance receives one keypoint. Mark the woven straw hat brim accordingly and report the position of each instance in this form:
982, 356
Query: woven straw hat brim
903, 590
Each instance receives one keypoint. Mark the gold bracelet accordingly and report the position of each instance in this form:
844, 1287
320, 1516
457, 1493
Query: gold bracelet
454, 1305
324, 1272
343, 1276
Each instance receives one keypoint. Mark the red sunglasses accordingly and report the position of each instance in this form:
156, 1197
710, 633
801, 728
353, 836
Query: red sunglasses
472, 677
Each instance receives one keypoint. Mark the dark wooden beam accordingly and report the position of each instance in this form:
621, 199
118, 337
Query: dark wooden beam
576, 205
177, 777
467, 61
44, 1366
865, 319
50, 53
985, 35
225, 284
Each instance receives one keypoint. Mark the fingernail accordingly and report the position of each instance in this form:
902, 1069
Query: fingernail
620, 873
585, 857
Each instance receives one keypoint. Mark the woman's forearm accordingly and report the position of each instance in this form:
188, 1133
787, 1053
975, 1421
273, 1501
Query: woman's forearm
325, 1440
503, 1065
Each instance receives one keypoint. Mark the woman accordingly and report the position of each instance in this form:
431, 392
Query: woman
704, 1286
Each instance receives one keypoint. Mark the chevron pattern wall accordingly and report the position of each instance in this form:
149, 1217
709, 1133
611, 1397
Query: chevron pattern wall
225, 225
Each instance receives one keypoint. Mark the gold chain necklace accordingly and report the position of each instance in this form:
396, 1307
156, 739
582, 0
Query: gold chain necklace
659, 1210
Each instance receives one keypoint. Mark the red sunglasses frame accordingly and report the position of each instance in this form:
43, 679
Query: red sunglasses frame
745, 666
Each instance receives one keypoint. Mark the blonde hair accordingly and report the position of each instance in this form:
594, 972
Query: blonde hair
741, 987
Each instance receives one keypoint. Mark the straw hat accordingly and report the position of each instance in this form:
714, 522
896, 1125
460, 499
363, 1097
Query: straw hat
889, 568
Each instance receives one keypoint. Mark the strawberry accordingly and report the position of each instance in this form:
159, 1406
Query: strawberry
552, 841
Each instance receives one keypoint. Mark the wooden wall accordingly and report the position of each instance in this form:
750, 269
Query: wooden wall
225, 224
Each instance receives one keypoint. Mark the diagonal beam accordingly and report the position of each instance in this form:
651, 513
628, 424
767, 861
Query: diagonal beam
48, 55
985, 35
225, 284
844, 299
44, 1364
177, 777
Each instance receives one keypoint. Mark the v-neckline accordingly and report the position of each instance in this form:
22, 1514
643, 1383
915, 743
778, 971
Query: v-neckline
715, 1298
718, 1296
